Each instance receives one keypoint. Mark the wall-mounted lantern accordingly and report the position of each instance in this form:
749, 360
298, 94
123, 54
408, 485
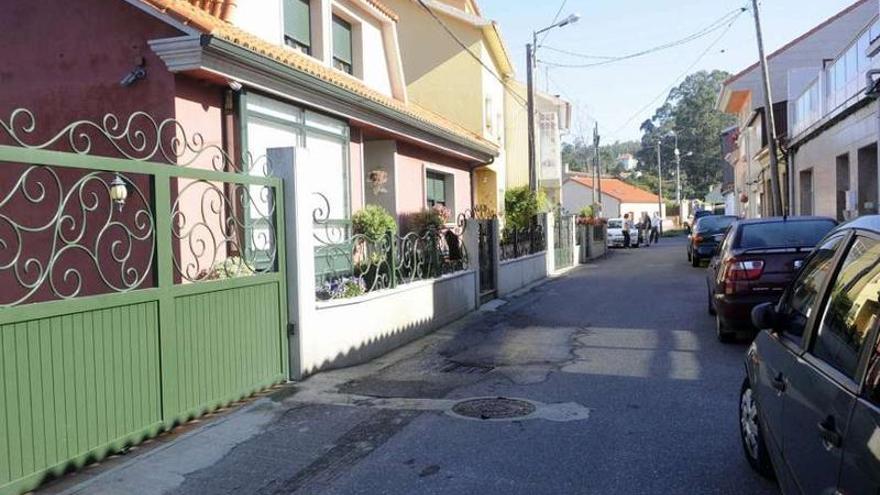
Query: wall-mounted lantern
118, 191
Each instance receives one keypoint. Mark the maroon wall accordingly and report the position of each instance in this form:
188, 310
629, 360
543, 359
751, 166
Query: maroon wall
63, 60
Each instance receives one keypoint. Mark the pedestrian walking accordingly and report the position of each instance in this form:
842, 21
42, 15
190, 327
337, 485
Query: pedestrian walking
648, 228
655, 228
627, 225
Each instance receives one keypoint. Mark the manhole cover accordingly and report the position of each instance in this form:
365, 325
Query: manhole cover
493, 408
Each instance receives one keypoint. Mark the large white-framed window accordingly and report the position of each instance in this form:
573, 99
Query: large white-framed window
268, 123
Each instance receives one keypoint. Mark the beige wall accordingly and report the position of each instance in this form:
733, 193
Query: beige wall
820, 155
516, 130
440, 76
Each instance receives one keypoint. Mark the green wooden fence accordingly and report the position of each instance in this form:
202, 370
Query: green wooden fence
83, 376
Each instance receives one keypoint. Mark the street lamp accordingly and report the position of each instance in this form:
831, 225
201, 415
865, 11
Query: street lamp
531, 50
678, 174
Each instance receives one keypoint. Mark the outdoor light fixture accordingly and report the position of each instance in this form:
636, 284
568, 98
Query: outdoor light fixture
571, 19
118, 192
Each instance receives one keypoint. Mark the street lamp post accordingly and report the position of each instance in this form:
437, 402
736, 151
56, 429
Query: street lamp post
659, 186
531, 59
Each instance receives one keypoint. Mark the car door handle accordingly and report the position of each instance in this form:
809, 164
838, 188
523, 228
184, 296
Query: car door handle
778, 382
828, 432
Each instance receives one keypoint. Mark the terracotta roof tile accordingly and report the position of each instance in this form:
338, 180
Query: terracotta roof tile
196, 17
620, 190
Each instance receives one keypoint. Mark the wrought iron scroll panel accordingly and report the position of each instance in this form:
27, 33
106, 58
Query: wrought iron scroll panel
348, 264
63, 237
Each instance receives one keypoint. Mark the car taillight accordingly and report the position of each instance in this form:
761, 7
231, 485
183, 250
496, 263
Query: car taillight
698, 239
740, 271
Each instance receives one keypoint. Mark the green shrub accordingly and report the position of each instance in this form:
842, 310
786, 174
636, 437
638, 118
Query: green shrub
374, 222
428, 218
521, 205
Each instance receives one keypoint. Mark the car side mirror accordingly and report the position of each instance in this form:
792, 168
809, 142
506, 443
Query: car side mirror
764, 316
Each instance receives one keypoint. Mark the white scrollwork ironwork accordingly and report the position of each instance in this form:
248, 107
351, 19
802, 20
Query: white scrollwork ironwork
349, 264
53, 237
225, 230
138, 137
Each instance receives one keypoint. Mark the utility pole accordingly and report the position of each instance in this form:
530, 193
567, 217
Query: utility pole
598, 164
530, 82
770, 124
659, 186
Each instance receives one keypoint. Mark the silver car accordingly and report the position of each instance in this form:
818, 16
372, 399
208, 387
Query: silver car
810, 403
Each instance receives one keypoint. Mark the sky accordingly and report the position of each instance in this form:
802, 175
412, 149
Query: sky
622, 95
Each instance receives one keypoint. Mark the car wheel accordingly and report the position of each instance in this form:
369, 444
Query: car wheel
709, 307
751, 434
689, 255
695, 261
724, 335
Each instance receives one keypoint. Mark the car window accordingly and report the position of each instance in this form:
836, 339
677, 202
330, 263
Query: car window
784, 234
852, 308
615, 224
714, 224
797, 304
872, 378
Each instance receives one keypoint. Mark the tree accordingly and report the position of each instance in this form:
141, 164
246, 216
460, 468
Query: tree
579, 155
690, 112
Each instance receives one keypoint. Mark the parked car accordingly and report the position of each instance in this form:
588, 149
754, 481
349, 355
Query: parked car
706, 236
615, 234
810, 402
754, 264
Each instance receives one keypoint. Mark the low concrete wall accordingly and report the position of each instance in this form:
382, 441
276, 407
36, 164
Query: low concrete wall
592, 248
353, 331
520, 272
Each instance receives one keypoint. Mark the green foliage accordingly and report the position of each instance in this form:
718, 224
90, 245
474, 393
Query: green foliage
586, 212
579, 155
689, 110
428, 218
374, 222
521, 205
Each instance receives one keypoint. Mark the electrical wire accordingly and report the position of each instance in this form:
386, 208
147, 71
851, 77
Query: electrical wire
604, 60
555, 18
678, 78
519, 99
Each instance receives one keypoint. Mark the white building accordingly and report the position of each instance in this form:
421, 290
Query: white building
792, 68
618, 197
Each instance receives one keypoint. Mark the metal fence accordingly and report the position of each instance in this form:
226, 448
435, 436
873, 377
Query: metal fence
516, 243
563, 254
135, 294
349, 265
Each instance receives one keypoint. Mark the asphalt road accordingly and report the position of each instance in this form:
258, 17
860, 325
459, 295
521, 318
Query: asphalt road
633, 394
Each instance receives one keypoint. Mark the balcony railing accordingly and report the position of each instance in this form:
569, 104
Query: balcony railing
838, 85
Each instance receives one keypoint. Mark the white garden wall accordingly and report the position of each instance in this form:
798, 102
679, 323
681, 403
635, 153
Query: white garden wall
521, 272
353, 331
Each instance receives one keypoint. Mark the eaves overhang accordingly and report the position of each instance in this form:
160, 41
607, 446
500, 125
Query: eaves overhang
211, 57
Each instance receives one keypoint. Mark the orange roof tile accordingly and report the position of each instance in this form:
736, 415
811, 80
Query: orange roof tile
186, 11
620, 190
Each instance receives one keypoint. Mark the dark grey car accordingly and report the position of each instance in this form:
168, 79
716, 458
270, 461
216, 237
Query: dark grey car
810, 404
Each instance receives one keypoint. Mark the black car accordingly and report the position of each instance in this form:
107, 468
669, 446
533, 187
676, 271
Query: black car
810, 403
706, 235
755, 263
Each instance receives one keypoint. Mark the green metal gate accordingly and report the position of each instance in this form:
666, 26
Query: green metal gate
563, 256
134, 294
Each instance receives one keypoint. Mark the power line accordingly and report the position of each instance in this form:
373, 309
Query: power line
678, 78
476, 57
555, 18
714, 26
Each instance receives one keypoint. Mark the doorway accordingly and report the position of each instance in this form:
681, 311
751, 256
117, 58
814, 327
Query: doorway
868, 180
842, 180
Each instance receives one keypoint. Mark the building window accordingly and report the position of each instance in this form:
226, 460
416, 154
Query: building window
342, 49
435, 187
297, 28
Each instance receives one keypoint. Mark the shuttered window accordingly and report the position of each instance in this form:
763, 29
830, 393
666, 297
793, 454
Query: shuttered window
342, 50
435, 186
297, 29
